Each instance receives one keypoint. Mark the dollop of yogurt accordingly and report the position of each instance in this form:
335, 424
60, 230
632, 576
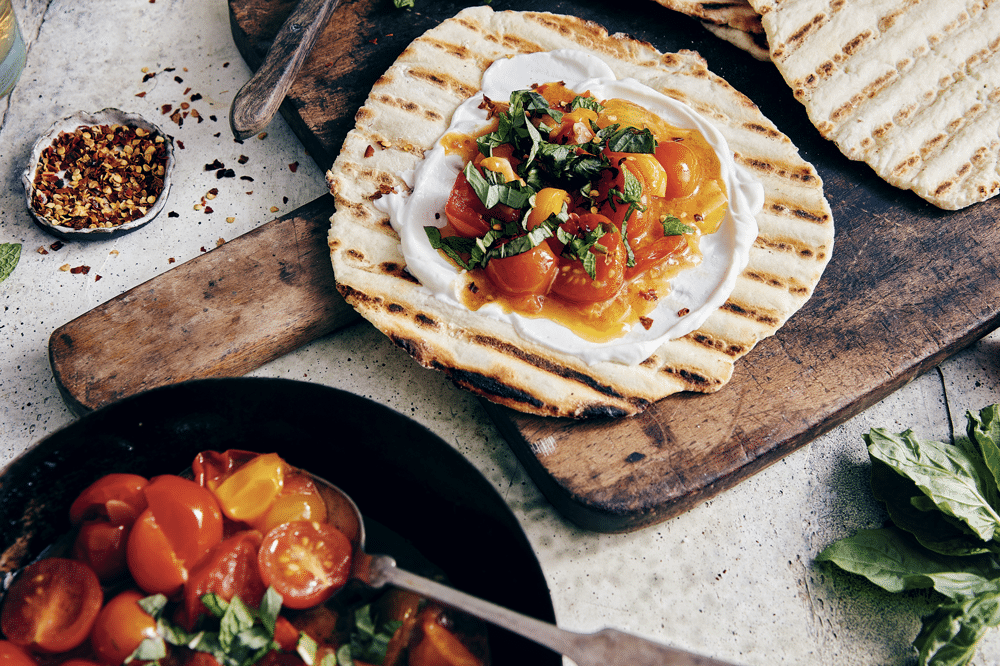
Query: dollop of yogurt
695, 293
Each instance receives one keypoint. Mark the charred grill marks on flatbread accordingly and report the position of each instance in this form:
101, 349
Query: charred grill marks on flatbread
411, 106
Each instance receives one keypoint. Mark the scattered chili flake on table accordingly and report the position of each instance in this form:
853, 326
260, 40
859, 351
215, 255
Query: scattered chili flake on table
99, 176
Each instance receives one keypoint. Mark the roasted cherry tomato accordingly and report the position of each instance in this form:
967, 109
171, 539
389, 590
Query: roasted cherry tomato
12, 654
173, 535
305, 562
250, 490
681, 166
210, 468
285, 634
51, 605
101, 545
121, 625
468, 216
115, 497
229, 570
573, 283
528, 275
299, 500
654, 253
439, 647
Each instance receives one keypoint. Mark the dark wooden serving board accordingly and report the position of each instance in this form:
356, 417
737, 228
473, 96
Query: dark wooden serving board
908, 285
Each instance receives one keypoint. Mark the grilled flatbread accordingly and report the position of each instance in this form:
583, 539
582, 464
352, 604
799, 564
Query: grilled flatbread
737, 14
754, 43
410, 107
911, 88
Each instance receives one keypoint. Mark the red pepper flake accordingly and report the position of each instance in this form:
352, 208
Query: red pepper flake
41, 250
213, 119
225, 173
293, 167
77, 270
173, 214
166, 108
284, 200
646, 322
178, 79
683, 312
203, 249
58, 245
208, 209
98, 277
171, 260
247, 178
373, 40
141, 94
225, 64
147, 76
195, 97
243, 159
370, 150
215, 165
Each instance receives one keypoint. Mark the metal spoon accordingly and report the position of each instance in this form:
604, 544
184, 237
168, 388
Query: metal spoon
608, 646
258, 100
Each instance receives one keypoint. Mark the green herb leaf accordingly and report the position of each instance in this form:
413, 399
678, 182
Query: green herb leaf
307, 648
950, 634
631, 140
10, 254
672, 226
370, 636
952, 476
403, 4
586, 103
984, 431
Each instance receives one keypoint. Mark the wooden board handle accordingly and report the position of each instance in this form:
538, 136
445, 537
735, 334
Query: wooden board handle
223, 313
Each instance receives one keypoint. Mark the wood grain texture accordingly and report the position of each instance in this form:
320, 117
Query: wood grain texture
908, 284
221, 314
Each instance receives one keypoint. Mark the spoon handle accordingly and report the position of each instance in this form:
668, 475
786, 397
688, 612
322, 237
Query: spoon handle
258, 100
608, 646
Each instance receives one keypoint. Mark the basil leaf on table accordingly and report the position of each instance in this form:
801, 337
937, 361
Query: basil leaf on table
944, 505
10, 254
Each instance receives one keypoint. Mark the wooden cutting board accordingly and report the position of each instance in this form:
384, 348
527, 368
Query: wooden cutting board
908, 285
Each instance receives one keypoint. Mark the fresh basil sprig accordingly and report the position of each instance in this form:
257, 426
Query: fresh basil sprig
944, 503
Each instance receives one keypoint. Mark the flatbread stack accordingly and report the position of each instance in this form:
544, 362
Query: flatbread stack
410, 107
736, 22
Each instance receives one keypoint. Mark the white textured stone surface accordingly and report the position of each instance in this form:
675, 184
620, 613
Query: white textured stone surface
734, 577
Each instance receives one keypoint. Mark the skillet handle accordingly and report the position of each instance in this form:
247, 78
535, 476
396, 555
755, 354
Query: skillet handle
608, 646
257, 102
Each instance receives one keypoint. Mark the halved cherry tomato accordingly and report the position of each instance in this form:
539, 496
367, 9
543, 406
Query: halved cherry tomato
229, 570
655, 252
549, 201
115, 497
101, 545
210, 468
305, 562
527, 276
183, 521
12, 654
121, 625
51, 606
249, 491
439, 647
573, 283
682, 168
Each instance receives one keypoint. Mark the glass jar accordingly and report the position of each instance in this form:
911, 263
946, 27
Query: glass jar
12, 49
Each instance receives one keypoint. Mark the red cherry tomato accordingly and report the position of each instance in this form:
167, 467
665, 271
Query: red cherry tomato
172, 536
51, 605
101, 545
121, 625
468, 216
306, 562
526, 275
682, 167
573, 283
285, 634
210, 468
115, 497
12, 654
229, 570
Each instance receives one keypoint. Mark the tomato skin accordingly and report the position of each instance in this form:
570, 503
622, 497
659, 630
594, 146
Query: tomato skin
183, 521
528, 275
682, 167
229, 570
305, 561
12, 654
573, 283
51, 606
468, 216
101, 545
439, 647
121, 625
210, 468
115, 497
655, 252
285, 634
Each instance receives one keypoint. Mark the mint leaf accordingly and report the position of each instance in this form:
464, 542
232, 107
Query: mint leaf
672, 226
10, 254
952, 476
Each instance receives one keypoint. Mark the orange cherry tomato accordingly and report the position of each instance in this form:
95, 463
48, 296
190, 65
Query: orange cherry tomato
439, 647
682, 168
528, 275
183, 521
305, 562
115, 497
468, 216
299, 500
655, 252
51, 606
573, 283
121, 625
12, 654
248, 492
210, 468
229, 570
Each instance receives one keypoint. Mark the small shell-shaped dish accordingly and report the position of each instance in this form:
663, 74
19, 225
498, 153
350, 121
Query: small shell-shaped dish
106, 194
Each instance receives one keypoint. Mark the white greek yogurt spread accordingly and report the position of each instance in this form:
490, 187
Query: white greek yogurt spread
697, 291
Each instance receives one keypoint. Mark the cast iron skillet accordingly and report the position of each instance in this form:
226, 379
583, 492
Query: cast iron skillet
401, 475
